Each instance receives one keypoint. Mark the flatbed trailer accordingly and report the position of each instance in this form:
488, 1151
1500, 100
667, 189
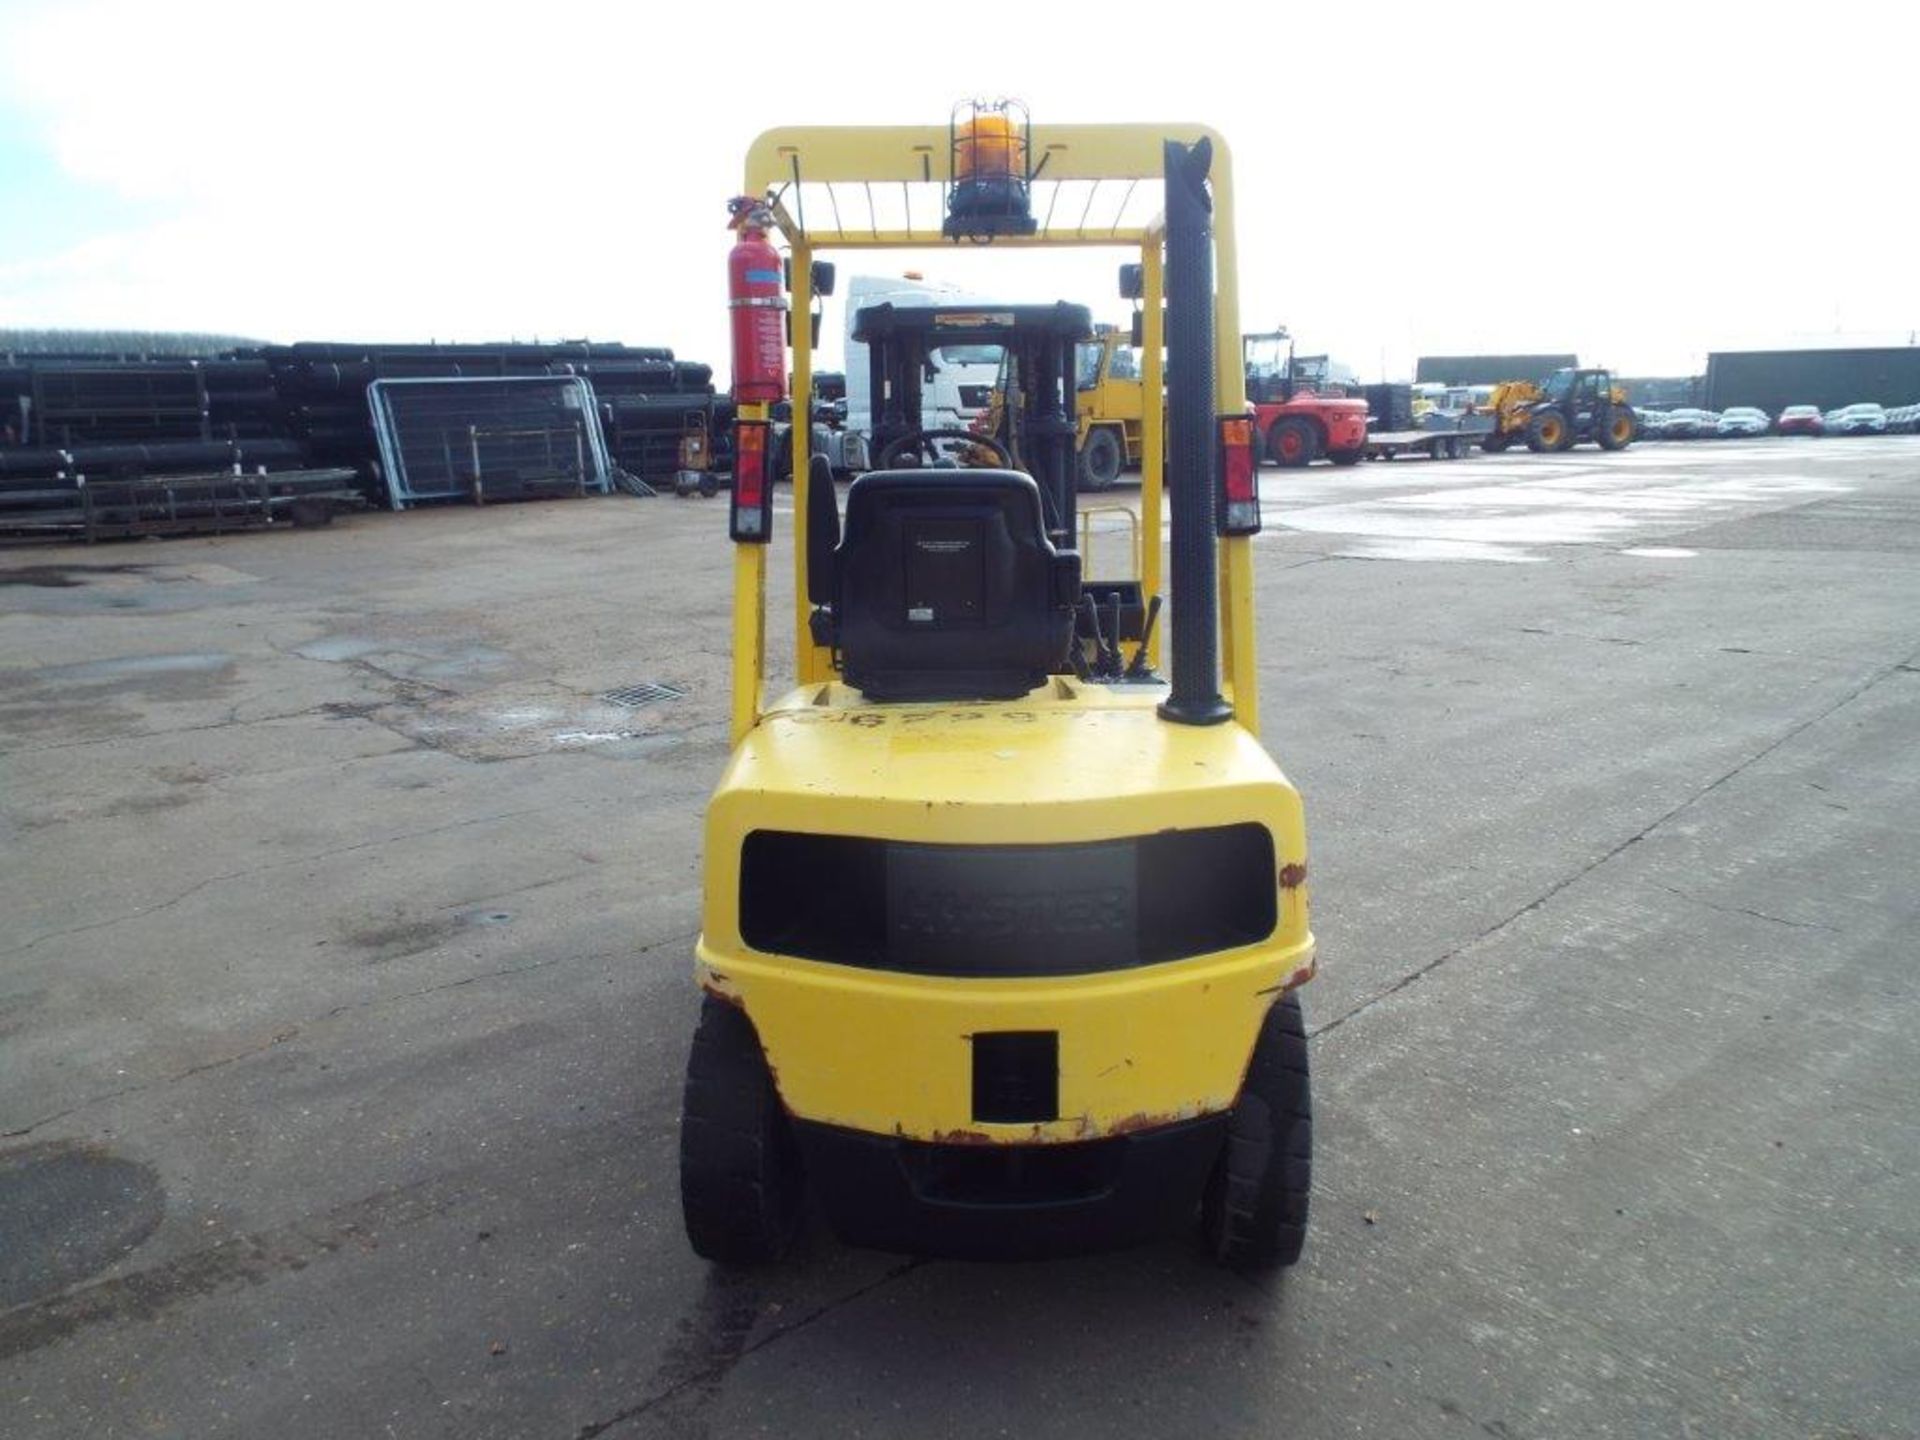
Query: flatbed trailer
1434, 444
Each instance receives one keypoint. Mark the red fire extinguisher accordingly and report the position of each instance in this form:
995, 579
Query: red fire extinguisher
759, 302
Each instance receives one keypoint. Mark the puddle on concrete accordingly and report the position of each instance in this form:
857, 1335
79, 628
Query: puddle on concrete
411, 659
1661, 552
1438, 550
67, 1211
496, 727
105, 697
160, 676
63, 577
138, 667
1582, 507
338, 648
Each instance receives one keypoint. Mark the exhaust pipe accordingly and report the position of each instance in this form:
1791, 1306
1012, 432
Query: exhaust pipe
1192, 448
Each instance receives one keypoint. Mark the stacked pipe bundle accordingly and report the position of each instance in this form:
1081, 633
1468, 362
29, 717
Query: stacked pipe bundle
303, 406
646, 396
113, 445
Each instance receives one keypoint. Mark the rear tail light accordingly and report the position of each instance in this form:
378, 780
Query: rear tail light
1239, 478
751, 518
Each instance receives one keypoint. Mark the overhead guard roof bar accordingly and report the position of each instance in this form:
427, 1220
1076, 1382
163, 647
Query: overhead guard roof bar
916, 155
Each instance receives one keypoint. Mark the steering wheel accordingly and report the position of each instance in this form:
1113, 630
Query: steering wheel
918, 438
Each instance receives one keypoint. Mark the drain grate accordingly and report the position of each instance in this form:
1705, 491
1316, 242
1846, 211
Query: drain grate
647, 692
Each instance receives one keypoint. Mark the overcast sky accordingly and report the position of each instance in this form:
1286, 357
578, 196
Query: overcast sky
1637, 183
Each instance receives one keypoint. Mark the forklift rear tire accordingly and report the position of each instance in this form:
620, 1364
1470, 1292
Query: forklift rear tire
1291, 443
741, 1190
1495, 443
1347, 457
1100, 460
1254, 1213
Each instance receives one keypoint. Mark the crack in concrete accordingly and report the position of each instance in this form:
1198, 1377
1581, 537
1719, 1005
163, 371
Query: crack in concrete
1742, 910
1578, 635
287, 1032
250, 1259
233, 719
200, 885
1792, 733
708, 1376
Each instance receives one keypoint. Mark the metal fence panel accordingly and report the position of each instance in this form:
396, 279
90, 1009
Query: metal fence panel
486, 437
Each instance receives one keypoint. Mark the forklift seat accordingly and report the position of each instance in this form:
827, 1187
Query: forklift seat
947, 588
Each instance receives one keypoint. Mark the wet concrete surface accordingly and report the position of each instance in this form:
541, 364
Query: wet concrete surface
346, 917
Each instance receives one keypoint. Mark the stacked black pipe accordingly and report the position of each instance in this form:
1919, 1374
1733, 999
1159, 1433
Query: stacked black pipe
69, 418
645, 395
311, 398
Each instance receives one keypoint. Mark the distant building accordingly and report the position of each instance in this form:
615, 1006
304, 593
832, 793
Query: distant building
1488, 369
1775, 379
1666, 392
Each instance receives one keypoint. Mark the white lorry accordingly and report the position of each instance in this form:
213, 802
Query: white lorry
960, 383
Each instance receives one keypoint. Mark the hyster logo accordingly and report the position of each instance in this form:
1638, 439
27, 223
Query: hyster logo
967, 915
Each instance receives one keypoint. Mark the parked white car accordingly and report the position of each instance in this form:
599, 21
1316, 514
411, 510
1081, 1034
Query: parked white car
1865, 419
1690, 424
1739, 420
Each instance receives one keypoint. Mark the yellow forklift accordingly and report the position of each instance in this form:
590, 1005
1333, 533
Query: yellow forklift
1001, 929
1108, 412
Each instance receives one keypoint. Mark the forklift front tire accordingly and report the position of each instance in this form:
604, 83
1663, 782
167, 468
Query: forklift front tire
1291, 443
741, 1190
1254, 1213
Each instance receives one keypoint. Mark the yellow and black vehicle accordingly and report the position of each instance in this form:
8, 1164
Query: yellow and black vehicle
1568, 408
1109, 408
1002, 930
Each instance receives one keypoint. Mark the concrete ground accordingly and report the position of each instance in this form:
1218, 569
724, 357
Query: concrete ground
344, 986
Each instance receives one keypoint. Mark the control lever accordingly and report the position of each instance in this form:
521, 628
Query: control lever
1105, 661
1138, 667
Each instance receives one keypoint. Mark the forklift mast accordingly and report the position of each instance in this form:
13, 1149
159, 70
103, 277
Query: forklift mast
1039, 343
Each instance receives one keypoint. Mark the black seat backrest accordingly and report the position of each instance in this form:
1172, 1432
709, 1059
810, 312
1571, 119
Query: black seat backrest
947, 588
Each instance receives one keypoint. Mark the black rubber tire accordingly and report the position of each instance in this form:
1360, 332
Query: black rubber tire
311, 512
1496, 443
1347, 457
1254, 1213
1549, 431
1606, 426
1101, 460
1291, 443
741, 1188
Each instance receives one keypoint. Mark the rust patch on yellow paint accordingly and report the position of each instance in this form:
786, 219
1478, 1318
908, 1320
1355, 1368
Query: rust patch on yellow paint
962, 1137
1294, 981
